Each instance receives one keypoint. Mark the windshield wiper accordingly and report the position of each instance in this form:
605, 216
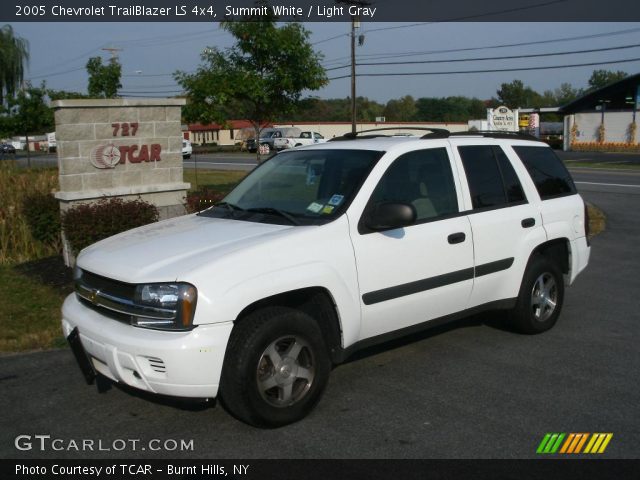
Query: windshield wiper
230, 206
275, 211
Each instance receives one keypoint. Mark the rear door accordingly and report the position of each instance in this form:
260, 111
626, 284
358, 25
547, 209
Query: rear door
413, 274
506, 225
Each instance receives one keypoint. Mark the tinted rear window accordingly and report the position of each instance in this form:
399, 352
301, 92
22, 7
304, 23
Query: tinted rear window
549, 174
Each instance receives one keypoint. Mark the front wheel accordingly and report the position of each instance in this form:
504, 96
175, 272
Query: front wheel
276, 367
540, 299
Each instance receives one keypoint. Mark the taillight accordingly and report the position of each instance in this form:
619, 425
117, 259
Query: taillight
586, 222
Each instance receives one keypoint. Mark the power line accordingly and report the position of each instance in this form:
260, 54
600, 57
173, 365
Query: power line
480, 59
508, 57
497, 70
380, 56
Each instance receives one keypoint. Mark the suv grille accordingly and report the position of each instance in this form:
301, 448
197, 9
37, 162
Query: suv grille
116, 299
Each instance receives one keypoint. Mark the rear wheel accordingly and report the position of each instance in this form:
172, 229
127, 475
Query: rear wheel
540, 299
276, 367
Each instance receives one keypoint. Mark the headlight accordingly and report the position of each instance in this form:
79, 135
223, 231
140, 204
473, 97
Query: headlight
168, 306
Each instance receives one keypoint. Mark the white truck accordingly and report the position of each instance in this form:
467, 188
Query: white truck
305, 138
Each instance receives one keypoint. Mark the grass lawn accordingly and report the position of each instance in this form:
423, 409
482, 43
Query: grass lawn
217, 180
30, 312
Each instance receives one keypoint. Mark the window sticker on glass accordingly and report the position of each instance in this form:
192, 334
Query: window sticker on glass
327, 209
336, 200
315, 207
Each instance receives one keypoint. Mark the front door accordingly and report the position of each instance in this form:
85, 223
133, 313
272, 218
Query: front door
413, 274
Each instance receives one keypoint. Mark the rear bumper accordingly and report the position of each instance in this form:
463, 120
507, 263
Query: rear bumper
181, 364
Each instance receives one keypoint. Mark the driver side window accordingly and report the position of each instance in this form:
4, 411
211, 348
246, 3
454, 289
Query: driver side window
422, 178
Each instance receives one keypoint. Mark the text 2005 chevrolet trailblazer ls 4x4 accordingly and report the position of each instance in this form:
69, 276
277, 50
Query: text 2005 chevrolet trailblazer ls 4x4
321, 251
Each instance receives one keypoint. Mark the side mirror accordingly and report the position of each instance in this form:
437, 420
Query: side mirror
387, 216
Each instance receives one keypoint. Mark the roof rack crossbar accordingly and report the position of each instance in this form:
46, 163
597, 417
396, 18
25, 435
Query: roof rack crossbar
440, 132
496, 134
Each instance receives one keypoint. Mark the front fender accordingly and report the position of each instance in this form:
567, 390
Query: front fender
236, 298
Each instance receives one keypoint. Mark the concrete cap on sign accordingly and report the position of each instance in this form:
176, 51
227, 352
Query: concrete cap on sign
119, 102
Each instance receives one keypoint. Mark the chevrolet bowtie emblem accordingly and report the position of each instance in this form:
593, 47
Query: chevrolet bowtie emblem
93, 296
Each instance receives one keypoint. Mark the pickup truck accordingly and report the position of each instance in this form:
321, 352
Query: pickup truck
305, 138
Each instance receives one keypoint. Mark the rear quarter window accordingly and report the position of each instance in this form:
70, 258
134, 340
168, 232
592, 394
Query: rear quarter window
551, 177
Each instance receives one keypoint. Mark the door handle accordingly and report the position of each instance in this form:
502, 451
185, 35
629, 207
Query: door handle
528, 222
456, 238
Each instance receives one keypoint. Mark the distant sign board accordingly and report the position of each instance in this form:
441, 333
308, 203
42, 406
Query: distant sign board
503, 119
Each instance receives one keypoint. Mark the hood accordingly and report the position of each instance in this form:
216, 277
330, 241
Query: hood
164, 251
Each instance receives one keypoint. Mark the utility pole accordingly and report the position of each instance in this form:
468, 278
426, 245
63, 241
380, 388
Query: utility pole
353, 74
355, 23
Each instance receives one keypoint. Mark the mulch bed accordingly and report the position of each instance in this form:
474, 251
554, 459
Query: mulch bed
50, 271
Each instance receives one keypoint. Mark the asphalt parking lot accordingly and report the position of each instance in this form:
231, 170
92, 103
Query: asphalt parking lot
470, 390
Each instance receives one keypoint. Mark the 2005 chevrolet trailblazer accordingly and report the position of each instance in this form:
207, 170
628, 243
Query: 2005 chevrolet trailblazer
323, 250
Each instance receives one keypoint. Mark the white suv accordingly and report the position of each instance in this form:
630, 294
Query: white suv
324, 250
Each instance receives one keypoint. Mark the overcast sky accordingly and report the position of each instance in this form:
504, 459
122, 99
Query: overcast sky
151, 52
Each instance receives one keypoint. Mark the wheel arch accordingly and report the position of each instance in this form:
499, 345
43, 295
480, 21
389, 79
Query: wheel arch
558, 251
318, 303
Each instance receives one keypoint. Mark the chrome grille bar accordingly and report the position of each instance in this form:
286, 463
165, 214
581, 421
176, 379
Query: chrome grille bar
123, 305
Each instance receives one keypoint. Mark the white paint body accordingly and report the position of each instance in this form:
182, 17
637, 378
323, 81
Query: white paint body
234, 264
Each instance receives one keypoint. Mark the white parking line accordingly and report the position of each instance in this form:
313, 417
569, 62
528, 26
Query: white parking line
609, 184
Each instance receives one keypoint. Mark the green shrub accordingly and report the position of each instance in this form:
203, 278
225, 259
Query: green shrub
201, 200
85, 224
42, 213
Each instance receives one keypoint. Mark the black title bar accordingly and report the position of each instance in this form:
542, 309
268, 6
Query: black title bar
321, 10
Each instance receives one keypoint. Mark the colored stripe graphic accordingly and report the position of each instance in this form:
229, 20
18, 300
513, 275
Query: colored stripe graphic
551, 443
598, 443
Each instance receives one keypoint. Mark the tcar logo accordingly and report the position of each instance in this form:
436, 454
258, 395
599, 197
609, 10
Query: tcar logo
108, 156
105, 156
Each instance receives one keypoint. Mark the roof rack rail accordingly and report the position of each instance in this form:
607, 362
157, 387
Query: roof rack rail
496, 134
434, 133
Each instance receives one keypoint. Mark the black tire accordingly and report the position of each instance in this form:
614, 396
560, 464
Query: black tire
540, 299
262, 385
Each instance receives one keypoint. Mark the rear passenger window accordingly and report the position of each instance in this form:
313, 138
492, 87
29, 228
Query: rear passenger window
547, 171
422, 178
512, 185
492, 181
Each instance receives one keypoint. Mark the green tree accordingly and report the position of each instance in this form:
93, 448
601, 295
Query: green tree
29, 113
14, 54
566, 94
104, 80
515, 94
260, 78
602, 78
401, 110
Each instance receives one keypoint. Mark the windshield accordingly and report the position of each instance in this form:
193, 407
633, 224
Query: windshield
312, 186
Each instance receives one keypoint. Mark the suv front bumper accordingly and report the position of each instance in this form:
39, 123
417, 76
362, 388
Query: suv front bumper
181, 364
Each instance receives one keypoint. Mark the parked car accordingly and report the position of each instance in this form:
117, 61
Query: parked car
268, 136
187, 149
320, 252
305, 138
7, 148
